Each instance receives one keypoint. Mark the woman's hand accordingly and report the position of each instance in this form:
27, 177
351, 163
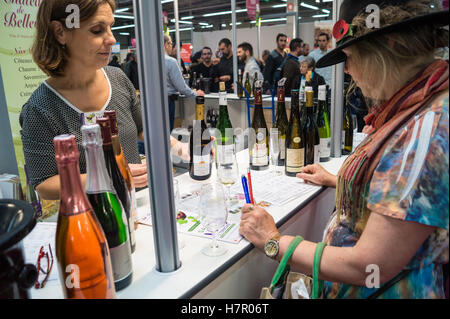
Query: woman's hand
139, 173
257, 225
316, 174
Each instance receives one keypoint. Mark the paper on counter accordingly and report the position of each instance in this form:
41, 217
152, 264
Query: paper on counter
43, 234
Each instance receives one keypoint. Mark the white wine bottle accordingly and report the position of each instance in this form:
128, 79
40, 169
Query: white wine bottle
259, 148
312, 140
323, 125
281, 121
295, 142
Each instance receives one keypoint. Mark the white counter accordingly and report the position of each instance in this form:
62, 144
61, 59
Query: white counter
201, 276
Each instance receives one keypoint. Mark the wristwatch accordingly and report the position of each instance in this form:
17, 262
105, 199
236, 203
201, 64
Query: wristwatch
271, 248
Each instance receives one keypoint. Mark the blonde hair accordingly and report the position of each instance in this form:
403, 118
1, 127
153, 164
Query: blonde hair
48, 53
388, 56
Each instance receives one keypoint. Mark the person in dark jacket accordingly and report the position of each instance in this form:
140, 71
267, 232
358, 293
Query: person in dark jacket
274, 61
291, 69
309, 64
114, 62
131, 71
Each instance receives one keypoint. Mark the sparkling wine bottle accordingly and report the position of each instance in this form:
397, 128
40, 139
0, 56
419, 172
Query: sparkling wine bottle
200, 148
82, 252
259, 148
122, 162
116, 176
107, 207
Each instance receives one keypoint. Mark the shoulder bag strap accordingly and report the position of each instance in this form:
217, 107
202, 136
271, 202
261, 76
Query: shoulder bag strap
283, 266
317, 284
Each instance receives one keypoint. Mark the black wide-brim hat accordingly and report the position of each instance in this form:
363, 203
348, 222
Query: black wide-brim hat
351, 8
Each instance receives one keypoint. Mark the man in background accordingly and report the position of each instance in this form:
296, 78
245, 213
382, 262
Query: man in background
291, 69
245, 54
223, 67
306, 51
274, 60
324, 38
205, 68
131, 70
175, 81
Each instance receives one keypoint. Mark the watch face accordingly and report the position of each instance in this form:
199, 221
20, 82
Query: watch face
271, 248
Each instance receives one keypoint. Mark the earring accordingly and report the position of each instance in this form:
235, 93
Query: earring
63, 47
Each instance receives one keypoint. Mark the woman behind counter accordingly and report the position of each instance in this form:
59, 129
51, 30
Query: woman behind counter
80, 87
392, 202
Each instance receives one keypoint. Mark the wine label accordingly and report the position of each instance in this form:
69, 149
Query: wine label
322, 95
121, 261
201, 165
316, 153
260, 136
225, 153
282, 146
325, 147
295, 160
259, 154
222, 99
200, 112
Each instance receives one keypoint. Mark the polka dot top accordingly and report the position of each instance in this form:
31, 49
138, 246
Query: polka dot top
48, 114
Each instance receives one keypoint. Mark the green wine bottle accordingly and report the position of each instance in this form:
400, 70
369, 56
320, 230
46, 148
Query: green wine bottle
312, 140
259, 147
281, 121
225, 143
295, 142
323, 125
347, 131
107, 207
248, 85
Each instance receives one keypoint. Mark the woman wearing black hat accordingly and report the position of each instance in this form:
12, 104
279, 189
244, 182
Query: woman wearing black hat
390, 228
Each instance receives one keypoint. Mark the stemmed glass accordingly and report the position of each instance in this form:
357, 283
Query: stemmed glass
275, 150
213, 214
228, 174
177, 199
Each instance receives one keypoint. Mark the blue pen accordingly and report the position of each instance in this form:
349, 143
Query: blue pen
244, 185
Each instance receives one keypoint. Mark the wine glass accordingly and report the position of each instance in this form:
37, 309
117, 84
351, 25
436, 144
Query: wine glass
213, 214
275, 150
176, 199
228, 174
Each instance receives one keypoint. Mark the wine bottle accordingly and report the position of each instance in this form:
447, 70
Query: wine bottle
82, 253
194, 81
295, 142
259, 147
116, 176
281, 121
200, 149
241, 84
255, 79
225, 142
107, 207
122, 162
31, 197
347, 132
312, 140
323, 125
248, 85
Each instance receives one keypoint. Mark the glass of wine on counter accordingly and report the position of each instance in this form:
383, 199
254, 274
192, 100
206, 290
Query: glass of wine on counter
228, 174
275, 151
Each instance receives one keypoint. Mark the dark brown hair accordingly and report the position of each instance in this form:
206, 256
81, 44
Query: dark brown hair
48, 53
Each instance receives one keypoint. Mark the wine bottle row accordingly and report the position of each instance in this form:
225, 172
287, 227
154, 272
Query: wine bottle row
95, 229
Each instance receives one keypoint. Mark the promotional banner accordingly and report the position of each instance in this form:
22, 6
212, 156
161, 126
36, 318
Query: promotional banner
185, 52
252, 8
20, 74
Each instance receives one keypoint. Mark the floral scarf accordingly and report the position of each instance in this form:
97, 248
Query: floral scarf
385, 120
